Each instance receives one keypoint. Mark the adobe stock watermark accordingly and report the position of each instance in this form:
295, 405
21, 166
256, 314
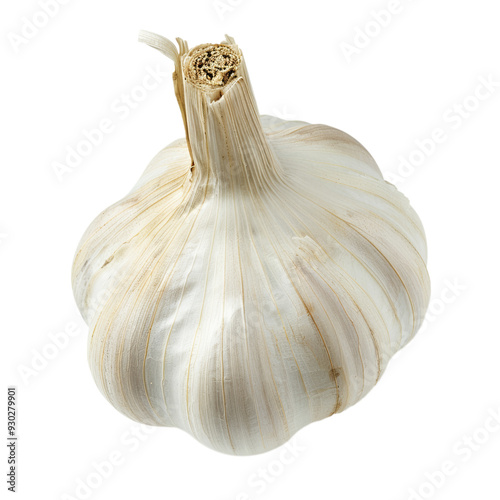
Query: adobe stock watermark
120, 109
42, 357
260, 480
448, 294
274, 120
101, 470
223, 7
367, 32
283, 113
32, 25
463, 450
452, 118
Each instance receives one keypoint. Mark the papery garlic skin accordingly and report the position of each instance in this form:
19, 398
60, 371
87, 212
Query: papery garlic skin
257, 278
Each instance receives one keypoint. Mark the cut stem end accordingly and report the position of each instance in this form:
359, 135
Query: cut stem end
211, 66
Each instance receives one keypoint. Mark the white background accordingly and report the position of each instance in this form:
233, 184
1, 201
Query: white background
434, 406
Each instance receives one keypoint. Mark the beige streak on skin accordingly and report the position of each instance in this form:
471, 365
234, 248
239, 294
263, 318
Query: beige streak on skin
258, 277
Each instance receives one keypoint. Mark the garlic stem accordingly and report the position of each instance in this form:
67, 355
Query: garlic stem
225, 137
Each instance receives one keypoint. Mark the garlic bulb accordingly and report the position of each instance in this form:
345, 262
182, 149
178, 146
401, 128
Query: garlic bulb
258, 277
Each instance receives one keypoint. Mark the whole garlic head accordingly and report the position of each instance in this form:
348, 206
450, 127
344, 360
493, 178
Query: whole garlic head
257, 278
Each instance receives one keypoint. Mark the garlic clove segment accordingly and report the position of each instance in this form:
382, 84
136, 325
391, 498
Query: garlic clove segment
258, 277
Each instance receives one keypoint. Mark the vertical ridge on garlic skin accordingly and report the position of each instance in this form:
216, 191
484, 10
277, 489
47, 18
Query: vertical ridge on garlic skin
259, 275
